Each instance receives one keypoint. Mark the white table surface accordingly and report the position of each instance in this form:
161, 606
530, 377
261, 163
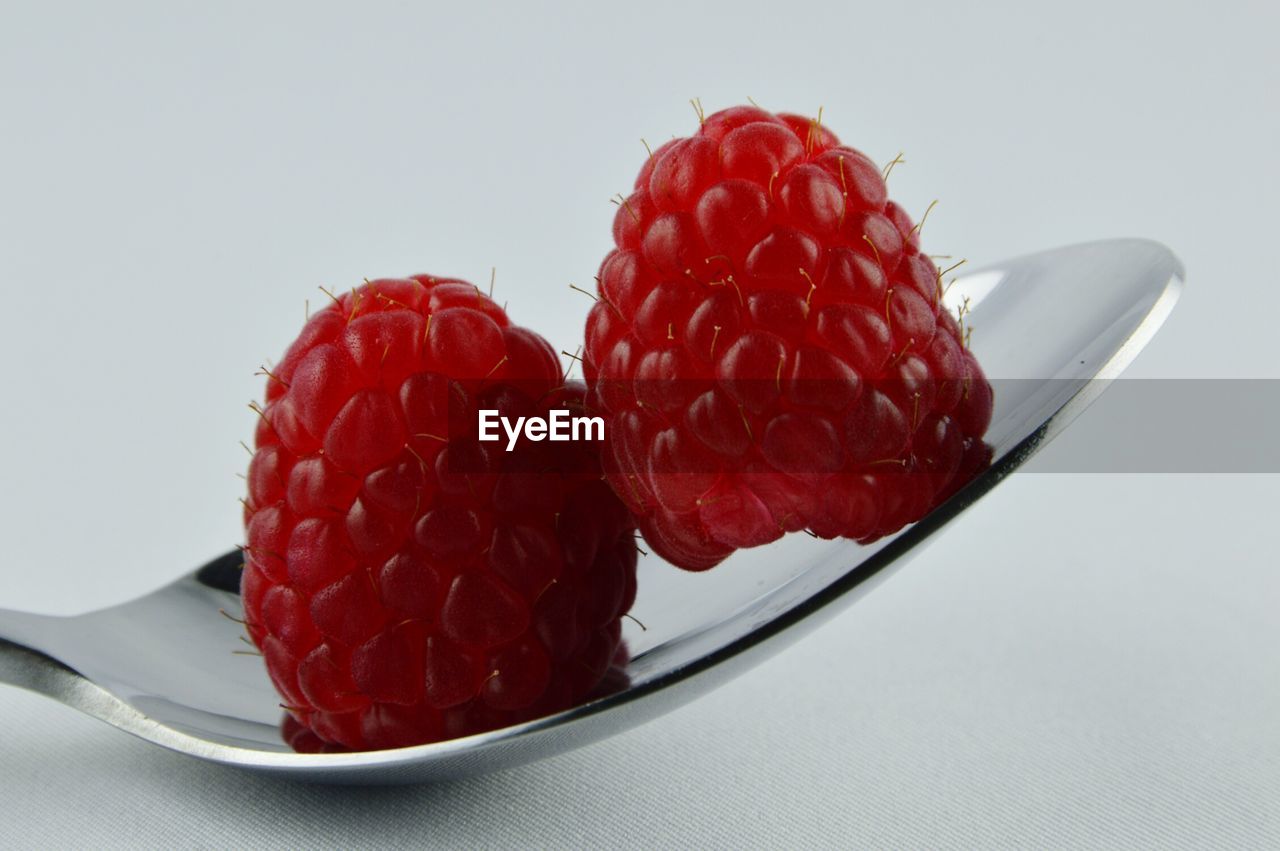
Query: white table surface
1082, 660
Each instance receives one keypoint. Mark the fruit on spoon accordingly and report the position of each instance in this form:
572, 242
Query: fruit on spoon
404, 581
770, 348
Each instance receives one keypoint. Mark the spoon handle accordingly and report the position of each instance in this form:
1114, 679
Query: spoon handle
24, 628
42, 674
22, 660
30, 669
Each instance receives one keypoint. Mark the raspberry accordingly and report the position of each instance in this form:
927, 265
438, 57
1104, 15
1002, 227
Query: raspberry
770, 349
404, 581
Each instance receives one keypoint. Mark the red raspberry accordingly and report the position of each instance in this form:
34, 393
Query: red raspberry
404, 581
770, 348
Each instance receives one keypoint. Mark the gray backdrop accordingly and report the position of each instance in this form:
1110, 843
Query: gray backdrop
1083, 660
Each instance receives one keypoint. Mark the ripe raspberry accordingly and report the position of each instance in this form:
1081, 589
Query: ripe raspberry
770, 348
404, 581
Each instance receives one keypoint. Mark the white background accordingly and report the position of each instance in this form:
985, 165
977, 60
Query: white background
1081, 660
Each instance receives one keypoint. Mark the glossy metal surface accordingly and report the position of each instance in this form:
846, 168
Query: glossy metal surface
170, 668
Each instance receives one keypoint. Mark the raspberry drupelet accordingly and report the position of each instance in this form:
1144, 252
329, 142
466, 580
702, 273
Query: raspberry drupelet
405, 582
770, 348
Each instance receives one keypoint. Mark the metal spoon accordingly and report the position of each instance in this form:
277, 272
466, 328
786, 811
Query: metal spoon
1052, 329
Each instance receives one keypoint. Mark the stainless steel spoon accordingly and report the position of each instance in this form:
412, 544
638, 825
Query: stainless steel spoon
1051, 329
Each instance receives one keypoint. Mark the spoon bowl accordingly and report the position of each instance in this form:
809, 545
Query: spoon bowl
1051, 330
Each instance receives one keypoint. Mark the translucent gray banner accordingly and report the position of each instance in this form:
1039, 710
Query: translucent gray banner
1136, 426
1208, 425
